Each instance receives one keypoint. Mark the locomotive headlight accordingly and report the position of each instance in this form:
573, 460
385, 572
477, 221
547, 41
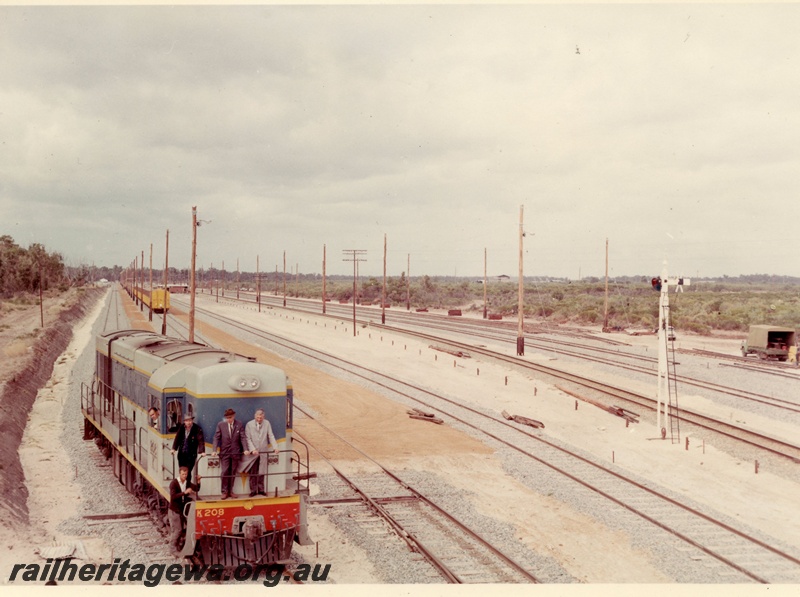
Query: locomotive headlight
244, 383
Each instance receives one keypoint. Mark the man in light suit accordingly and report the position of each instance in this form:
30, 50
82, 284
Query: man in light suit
230, 444
260, 439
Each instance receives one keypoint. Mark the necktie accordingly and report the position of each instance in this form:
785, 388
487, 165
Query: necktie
230, 429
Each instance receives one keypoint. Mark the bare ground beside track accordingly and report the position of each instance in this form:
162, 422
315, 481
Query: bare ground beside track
28, 354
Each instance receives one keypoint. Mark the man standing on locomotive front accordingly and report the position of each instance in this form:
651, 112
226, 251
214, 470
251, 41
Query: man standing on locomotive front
230, 443
188, 443
260, 438
180, 493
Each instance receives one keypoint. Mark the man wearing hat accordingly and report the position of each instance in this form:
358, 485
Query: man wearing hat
230, 443
189, 442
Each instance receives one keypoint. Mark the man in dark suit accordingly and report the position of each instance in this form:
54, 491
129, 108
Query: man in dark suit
180, 494
230, 443
189, 442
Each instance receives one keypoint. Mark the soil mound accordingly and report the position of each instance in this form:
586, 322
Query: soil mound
17, 395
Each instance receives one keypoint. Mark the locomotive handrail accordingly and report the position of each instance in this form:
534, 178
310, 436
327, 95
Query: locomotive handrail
143, 461
293, 473
88, 394
164, 469
304, 464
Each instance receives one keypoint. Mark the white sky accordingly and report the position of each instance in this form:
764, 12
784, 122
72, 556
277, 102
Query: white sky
671, 130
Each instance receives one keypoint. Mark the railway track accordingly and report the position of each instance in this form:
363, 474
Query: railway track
739, 552
609, 392
753, 438
459, 554
489, 331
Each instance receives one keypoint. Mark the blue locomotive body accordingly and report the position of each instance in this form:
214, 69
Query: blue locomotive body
138, 370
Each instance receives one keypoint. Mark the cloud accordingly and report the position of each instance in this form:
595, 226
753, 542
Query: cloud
296, 126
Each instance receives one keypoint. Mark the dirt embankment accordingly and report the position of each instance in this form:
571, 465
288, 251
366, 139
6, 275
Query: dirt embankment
20, 380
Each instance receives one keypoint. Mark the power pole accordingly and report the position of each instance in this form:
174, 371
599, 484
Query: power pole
605, 317
150, 317
324, 290
192, 284
408, 284
520, 306
41, 290
383, 294
258, 285
284, 278
355, 257
484, 283
166, 290
238, 279
141, 281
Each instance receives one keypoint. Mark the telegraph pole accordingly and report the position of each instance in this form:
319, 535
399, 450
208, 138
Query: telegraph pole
408, 284
605, 317
484, 283
520, 306
324, 290
383, 293
166, 270
150, 318
192, 284
141, 280
355, 257
258, 285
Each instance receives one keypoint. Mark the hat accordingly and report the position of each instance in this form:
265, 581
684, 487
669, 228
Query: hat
230, 412
188, 416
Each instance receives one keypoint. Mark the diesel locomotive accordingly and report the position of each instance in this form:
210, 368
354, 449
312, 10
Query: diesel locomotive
139, 370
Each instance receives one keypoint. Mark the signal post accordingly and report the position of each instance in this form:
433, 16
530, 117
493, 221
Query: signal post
662, 285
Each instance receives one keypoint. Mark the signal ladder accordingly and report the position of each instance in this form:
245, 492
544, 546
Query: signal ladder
673, 411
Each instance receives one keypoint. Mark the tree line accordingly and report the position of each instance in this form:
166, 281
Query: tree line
29, 270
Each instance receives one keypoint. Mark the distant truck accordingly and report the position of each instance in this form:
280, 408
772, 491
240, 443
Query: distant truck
769, 342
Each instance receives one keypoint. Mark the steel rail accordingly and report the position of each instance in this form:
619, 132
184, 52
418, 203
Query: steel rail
544, 344
413, 541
